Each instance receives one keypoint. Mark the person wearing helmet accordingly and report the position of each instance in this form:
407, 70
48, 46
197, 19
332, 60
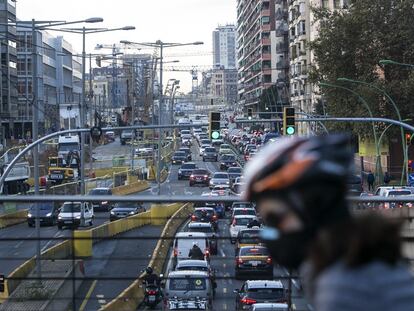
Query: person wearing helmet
151, 278
195, 252
299, 185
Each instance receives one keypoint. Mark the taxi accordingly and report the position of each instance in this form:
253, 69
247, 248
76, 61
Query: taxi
253, 261
248, 237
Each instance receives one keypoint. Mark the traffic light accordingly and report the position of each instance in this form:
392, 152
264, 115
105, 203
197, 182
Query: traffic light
250, 113
408, 139
214, 127
289, 126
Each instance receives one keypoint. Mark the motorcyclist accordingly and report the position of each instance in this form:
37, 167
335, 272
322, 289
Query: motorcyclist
151, 278
300, 187
195, 252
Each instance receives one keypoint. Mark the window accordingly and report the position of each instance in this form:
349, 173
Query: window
337, 4
13, 64
265, 20
325, 4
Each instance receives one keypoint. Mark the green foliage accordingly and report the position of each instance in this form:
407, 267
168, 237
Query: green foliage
351, 43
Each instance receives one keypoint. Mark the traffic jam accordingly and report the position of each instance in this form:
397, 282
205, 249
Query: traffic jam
217, 259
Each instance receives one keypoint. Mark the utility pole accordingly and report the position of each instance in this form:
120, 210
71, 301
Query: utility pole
160, 103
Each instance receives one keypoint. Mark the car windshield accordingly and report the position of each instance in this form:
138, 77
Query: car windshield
204, 213
126, 205
187, 284
203, 229
200, 172
99, 192
71, 208
242, 205
224, 146
249, 238
209, 149
397, 193
242, 221
42, 207
221, 176
179, 154
254, 251
266, 293
229, 157
246, 211
188, 166
191, 268
205, 141
186, 150
235, 170
68, 147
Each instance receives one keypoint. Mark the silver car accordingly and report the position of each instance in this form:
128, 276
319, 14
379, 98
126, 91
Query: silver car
219, 178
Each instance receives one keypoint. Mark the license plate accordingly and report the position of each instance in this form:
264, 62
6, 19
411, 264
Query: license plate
254, 263
56, 176
151, 298
198, 178
68, 221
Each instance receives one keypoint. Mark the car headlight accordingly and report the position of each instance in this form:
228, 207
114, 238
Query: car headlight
227, 182
48, 214
131, 213
59, 217
112, 213
179, 171
78, 217
104, 202
29, 215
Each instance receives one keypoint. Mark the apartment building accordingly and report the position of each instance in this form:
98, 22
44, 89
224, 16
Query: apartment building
255, 33
224, 47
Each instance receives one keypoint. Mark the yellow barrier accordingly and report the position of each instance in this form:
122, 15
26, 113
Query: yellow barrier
131, 297
83, 243
132, 188
161, 213
14, 218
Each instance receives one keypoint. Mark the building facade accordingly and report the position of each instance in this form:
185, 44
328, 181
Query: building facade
255, 33
11, 121
224, 47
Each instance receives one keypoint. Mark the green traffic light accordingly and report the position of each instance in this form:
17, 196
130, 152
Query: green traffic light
290, 130
215, 135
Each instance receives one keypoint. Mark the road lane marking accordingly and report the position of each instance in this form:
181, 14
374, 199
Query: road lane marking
21, 242
224, 290
222, 253
88, 295
293, 306
225, 306
101, 299
50, 241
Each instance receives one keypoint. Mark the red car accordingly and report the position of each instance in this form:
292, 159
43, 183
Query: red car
200, 177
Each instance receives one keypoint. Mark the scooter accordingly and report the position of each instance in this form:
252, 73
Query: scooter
152, 296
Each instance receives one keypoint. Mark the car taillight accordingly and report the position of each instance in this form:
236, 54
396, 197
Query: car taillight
175, 252
193, 217
152, 292
191, 176
239, 261
214, 217
269, 260
248, 301
207, 252
205, 176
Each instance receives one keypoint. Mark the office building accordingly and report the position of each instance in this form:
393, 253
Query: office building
224, 47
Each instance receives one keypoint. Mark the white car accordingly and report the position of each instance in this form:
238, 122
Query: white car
71, 213
203, 148
239, 222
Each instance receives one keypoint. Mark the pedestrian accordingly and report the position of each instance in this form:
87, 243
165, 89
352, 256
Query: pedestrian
370, 180
299, 185
387, 178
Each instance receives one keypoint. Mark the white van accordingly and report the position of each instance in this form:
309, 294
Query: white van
71, 212
184, 241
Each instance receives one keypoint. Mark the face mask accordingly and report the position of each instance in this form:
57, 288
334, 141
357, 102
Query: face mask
287, 249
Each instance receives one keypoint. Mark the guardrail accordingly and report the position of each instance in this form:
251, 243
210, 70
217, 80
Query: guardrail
131, 297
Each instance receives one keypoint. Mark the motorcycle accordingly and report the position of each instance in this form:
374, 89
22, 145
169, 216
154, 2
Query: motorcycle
152, 296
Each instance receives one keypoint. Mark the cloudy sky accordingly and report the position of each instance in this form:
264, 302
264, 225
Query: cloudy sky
168, 20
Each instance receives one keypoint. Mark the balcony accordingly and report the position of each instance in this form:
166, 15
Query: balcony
266, 41
265, 27
266, 56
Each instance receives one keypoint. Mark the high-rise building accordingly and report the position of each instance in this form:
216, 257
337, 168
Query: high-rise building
9, 116
224, 47
255, 36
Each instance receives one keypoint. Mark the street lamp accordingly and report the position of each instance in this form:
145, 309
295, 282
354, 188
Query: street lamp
86, 31
378, 168
383, 92
161, 45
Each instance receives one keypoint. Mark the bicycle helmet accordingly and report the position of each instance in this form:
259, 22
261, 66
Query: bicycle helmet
149, 270
309, 173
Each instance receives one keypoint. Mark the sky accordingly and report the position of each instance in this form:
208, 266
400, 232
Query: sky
180, 21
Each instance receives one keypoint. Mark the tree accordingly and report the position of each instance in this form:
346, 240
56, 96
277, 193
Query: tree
351, 43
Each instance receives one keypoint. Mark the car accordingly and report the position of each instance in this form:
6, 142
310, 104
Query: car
101, 205
183, 243
237, 185
185, 132
392, 191
354, 184
248, 148
205, 141
188, 290
48, 214
253, 261
218, 141
179, 157
200, 176
186, 139
207, 204
187, 150
260, 291
248, 237
238, 223
270, 307
70, 214
234, 172
210, 154
205, 214
242, 205
202, 136
186, 170
203, 148
125, 209
225, 149
209, 230
228, 160
219, 179
126, 136
243, 211
251, 154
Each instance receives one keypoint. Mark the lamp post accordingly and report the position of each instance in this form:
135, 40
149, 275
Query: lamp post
378, 167
161, 46
37, 26
381, 91
86, 31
